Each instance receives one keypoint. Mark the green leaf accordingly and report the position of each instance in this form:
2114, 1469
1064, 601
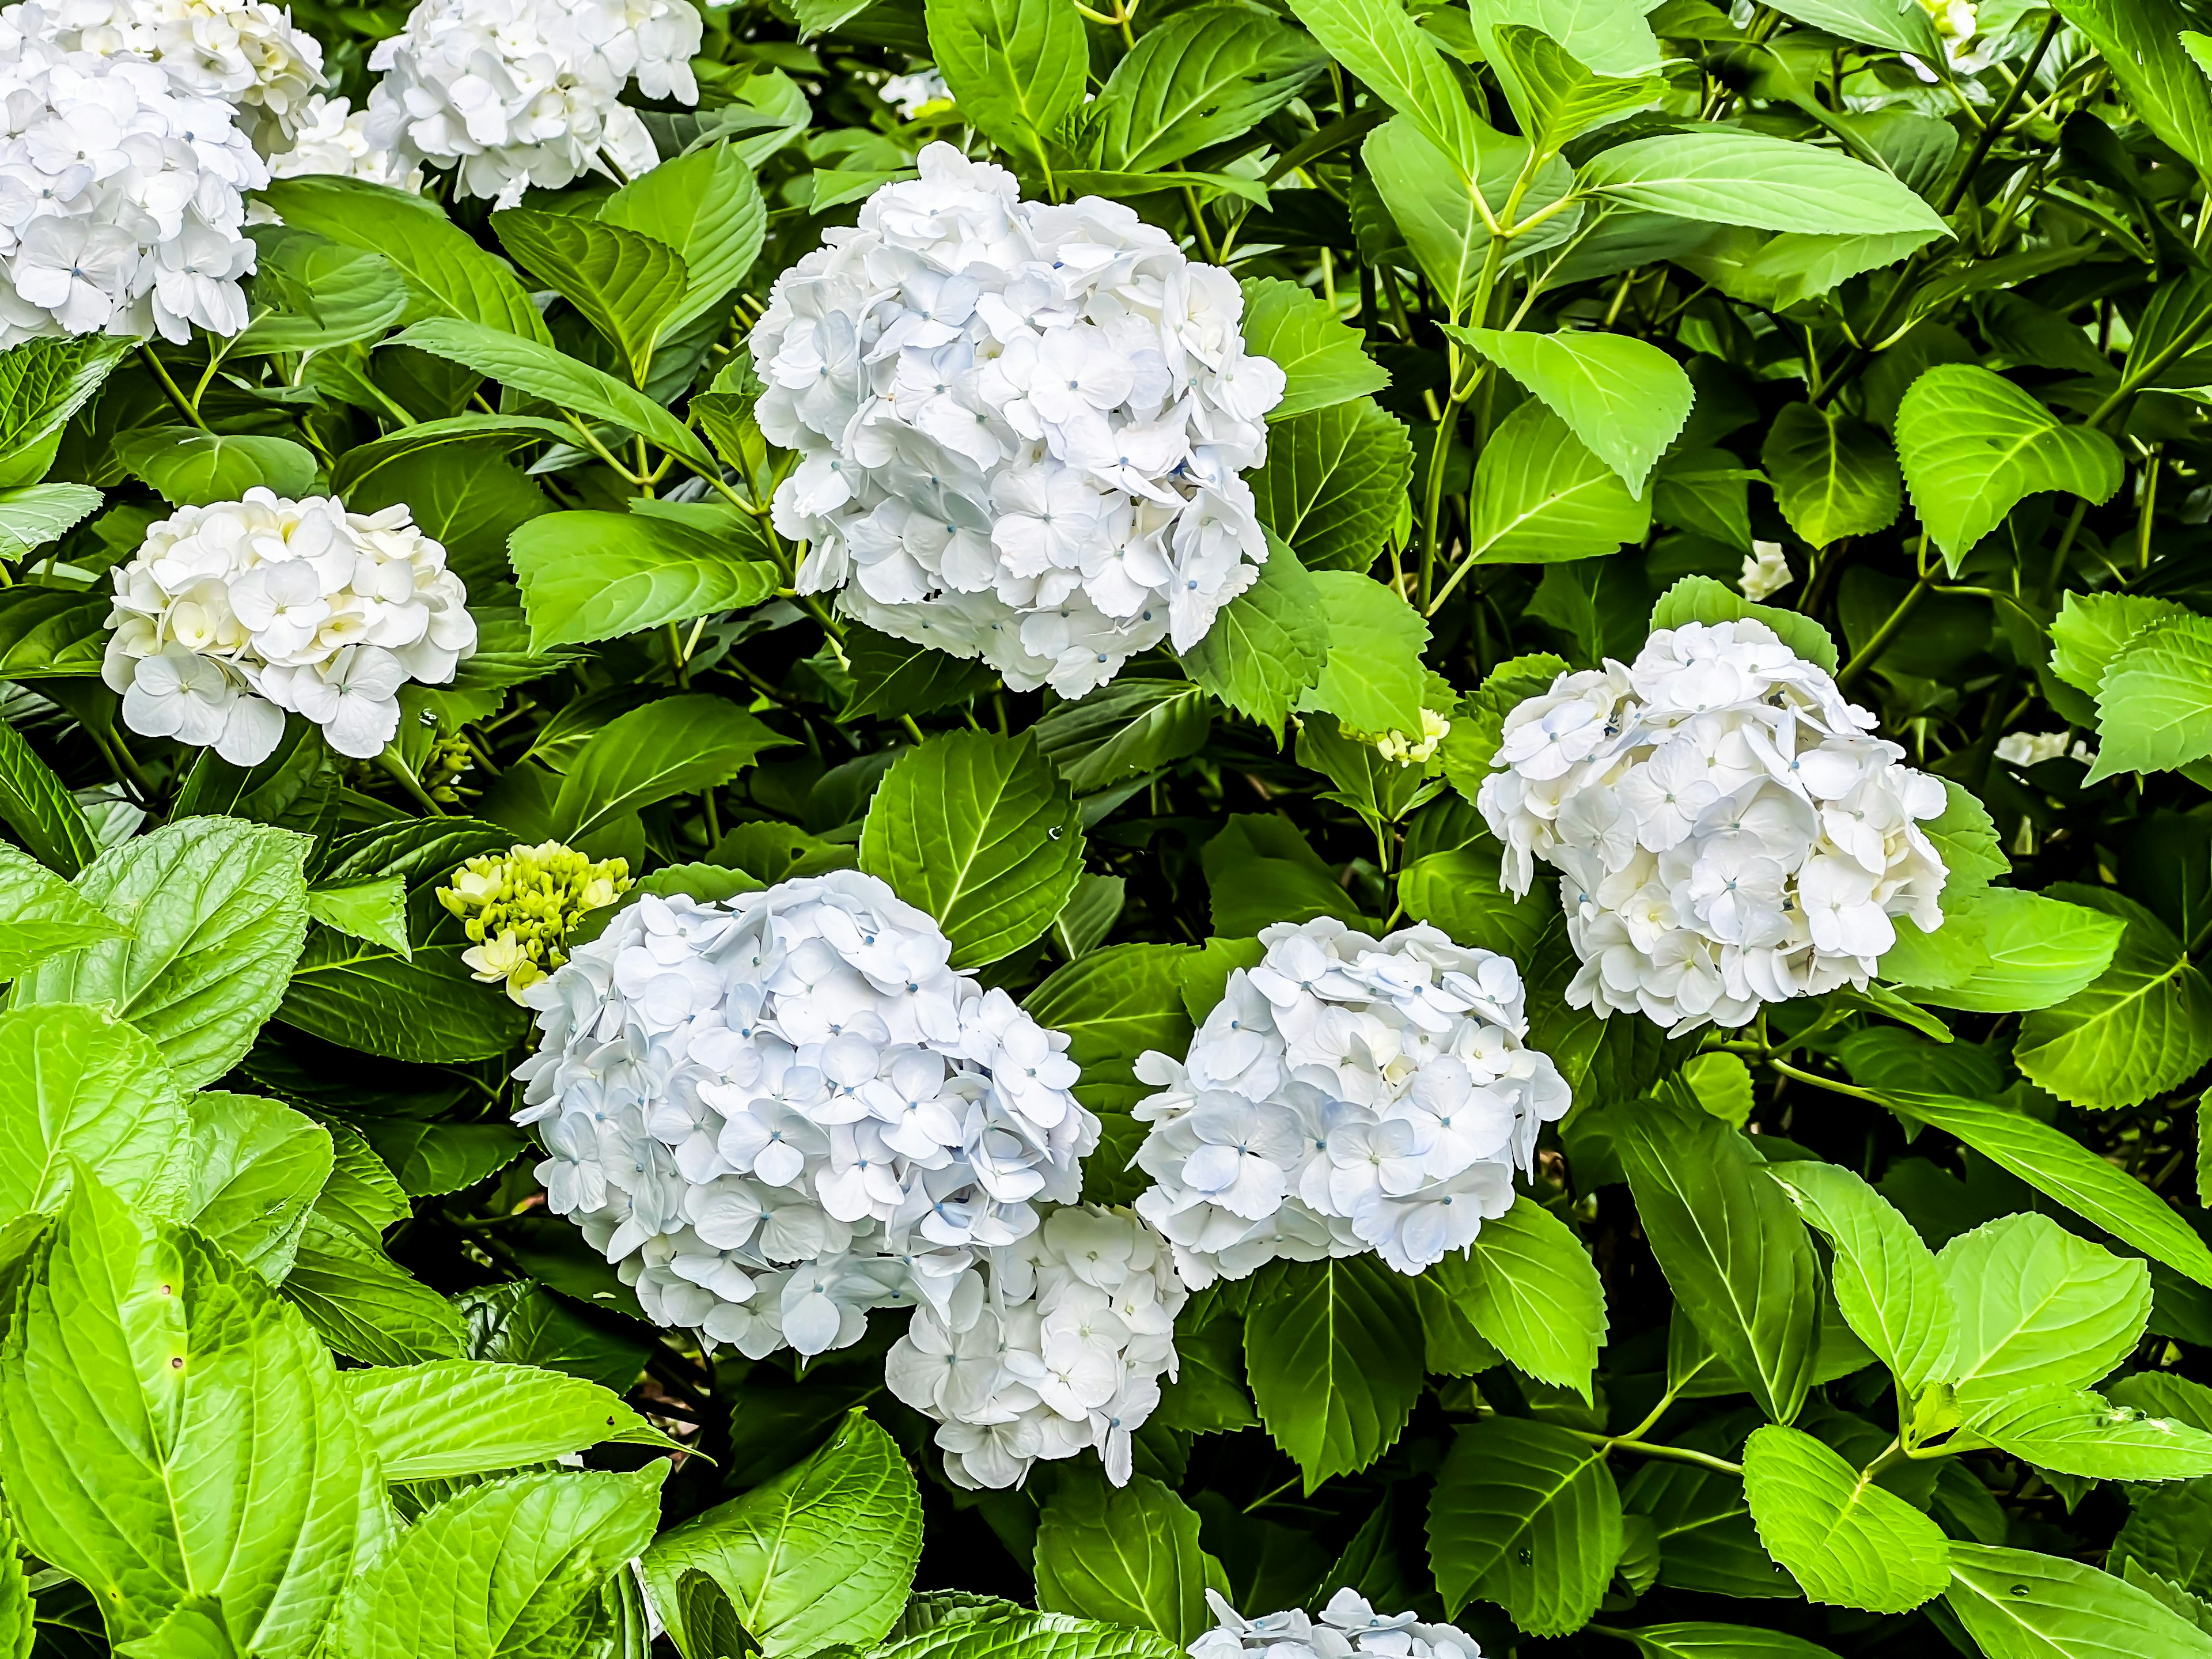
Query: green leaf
364, 1304
44, 817
706, 206
2016, 1604
431, 1159
1476, 730
447, 273
1702, 599
80, 1089
310, 293
1113, 1005
375, 910
42, 384
1399, 62
1268, 644
1730, 1243
1973, 446
423, 1008
51, 632
1259, 869
1888, 1286
1750, 179
1695, 1641
2142, 1026
195, 468
674, 746
1334, 1361
456, 1417
2090, 629
2039, 950
626, 285
1459, 891
1323, 360
1554, 96
822, 1555
2075, 1431
41, 916
2154, 712
1525, 1515
1530, 1290
168, 1426
893, 677
2168, 1532
534, 367
1374, 680
257, 1168
508, 1568
32, 517
217, 909
1205, 74
1848, 1541
1024, 1635
2039, 1306
1439, 209
1015, 67
2141, 41
1540, 496
1334, 482
1128, 1555
1623, 398
981, 832
1124, 731
1833, 476
591, 575
1877, 22
523, 1323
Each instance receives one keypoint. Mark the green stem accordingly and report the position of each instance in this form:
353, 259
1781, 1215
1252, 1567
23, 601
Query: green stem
171, 390
400, 770
1870, 653
1827, 1083
1627, 1442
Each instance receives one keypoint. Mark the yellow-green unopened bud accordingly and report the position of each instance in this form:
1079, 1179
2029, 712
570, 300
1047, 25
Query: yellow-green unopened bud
1397, 746
517, 909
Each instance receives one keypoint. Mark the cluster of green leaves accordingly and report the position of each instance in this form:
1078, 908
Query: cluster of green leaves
1888, 1319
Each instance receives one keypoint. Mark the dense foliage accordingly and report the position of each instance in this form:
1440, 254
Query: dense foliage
573, 1085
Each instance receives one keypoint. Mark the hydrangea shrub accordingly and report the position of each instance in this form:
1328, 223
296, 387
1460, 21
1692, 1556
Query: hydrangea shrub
1037, 830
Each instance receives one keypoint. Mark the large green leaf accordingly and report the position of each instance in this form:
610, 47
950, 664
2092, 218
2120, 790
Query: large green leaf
1374, 680
2037, 951
822, 1555
41, 916
591, 575
1878, 22
44, 817
1440, 211
2090, 629
1269, 643
1015, 67
217, 909
37, 513
980, 831
1334, 483
1847, 1540
1833, 476
42, 384
2141, 42
1207, 74
1623, 398
1730, 1243
449, 274
509, 1568
670, 747
2037, 1306
1887, 1285
1542, 496
706, 206
455, 1417
196, 469
361, 1302
1124, 731
1735, 178
894, 677
1113, 1005
1974, 445
1334, 1361
310, 293
627, 286
999, 1630
1322, 360
1700, 1641
2075, 1431
1525, 1515
257, 1168
168, 1428
1530, 1290
51, 632
423, 1007
2153, 711
1128, 1555
1702, 599
2020, 1604
80, 1089
1403, 66
1556, 93
2142, 1026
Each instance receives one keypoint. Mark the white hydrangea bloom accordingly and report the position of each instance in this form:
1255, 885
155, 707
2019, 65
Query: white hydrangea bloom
332, 137
913, 94
1020, 426
519, 93
1766, 571
230, 615
2033, 748
1345, 1095
1061, 1345
121, 196
775, 1112
1728, 832
246, 53
1348, 1625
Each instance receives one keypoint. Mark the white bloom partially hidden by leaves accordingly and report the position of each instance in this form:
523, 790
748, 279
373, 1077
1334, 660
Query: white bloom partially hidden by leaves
246, 54
1766, 572
913, 94
2033, 748
332, 137
121, 196
1728, 831
1059, 1345
518, 93
778, 1111
1345, 1095
232, 614
1349, 1624
1020, 426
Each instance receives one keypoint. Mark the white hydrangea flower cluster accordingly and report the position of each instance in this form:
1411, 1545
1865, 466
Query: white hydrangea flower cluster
1021, 426
1728, 832
1060, 1346
232, 614
518, 93
121, 195
245, 53
778, 1111
1349, 1624
332, 137
1347, 1094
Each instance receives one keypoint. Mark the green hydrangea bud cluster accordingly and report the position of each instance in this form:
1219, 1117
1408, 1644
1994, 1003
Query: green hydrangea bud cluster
517, 908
